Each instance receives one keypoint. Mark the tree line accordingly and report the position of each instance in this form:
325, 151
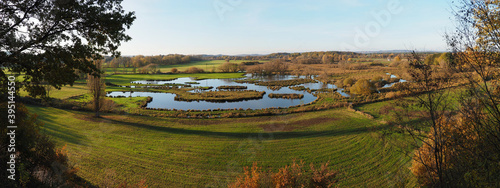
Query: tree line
140, 60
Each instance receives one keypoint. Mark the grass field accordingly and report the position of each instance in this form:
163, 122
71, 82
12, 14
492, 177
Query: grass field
209, 153
80, 87
212, 152
125, 79
205, 65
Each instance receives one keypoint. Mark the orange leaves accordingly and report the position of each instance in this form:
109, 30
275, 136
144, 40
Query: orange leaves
289, 176
452, 144
250, 179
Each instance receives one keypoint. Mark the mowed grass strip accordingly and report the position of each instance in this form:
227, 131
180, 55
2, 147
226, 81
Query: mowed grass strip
200, 153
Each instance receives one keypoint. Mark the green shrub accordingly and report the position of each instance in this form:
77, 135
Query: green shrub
363, 87
348, 82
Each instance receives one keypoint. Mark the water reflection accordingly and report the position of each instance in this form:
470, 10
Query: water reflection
166, 100
391, 84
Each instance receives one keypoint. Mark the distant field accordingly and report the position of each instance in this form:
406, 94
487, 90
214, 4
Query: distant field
209, 153
381, 60
205, 65
124, 79
80, 86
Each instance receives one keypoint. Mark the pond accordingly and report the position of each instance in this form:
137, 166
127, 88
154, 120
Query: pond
167, 101
391, 84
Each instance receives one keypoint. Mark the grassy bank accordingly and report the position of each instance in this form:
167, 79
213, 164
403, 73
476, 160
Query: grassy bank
211, 152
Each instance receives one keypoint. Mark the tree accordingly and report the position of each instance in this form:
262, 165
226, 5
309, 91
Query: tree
192, 70
97, 88
48, 89
348, 82
276, 66
363, 87
397, 59
53, 41
229, 67
475, 54
444, 61
63, 36
435, 104
326, 59
152, 68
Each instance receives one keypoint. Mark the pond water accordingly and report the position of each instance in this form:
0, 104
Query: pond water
166, 100
391, 84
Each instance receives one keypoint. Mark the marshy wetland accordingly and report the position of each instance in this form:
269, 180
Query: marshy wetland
234, 92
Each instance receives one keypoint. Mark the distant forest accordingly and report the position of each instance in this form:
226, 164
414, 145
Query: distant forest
330, 57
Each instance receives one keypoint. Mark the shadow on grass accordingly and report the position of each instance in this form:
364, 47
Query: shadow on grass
275, 135
58, 130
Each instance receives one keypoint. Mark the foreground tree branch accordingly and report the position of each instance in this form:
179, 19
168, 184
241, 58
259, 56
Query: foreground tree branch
48, 40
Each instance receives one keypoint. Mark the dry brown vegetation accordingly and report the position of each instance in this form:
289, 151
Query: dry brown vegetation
220, 96
192, 70
281, 83
232, 87
286, 96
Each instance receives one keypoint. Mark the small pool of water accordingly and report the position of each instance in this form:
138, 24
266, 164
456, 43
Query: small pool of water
391, 84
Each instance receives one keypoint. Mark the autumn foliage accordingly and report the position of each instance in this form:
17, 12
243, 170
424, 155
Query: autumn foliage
192, 70
294, 175
463, 163
363, 87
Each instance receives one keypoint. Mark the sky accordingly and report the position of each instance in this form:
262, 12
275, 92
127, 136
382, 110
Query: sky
234, 27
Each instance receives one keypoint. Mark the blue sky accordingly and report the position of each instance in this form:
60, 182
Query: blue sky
263, 26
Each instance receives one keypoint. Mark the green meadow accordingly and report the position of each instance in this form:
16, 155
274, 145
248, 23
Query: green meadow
207, 66
211, 153
181, 152
125, 79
